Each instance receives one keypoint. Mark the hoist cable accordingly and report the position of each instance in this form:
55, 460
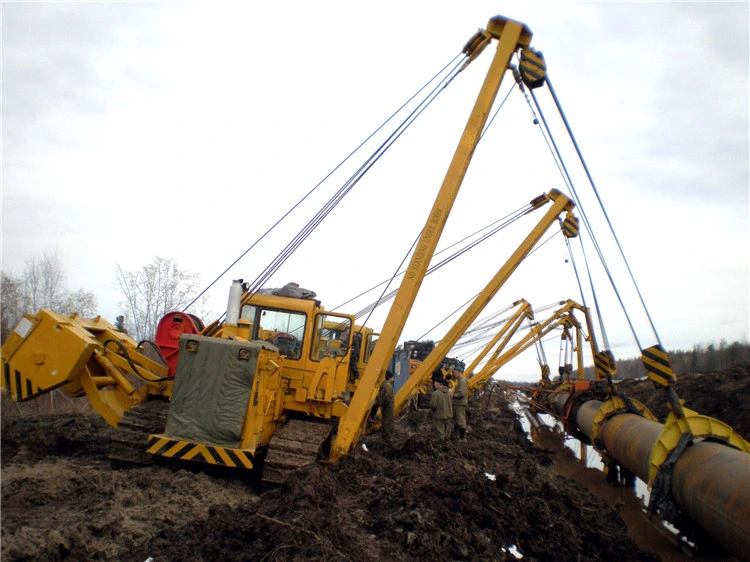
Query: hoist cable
371, 307
471, 352
329, 174
575, 271
602, 329
446, 318
475, 296
557, 157
518, 212
484, 323
594, 241
611, 228
485, 334
492, 119
455, 243
605, 339
540, 356
546, 133
482, 338
437, 266
395, 274
346, 188
552, 145
539, 246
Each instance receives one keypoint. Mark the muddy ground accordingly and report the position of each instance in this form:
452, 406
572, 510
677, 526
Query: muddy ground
493, 497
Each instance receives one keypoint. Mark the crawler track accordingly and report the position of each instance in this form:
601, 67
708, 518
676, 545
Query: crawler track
296, 444
128, 448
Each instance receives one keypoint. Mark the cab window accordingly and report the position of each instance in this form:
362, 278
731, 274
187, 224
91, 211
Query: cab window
331, 337
283, 328
372, 339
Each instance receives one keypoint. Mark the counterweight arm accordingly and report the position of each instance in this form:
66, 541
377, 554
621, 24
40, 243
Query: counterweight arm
80, 356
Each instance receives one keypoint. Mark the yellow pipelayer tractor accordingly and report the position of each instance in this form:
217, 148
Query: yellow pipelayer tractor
274, 358
272, 384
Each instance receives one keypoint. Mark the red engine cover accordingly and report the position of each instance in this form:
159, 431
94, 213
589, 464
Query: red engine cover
168, 332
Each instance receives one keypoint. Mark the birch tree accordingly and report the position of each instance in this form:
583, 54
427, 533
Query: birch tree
41, 285
151, 292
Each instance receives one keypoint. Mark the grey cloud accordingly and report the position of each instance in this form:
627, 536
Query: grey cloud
57, 62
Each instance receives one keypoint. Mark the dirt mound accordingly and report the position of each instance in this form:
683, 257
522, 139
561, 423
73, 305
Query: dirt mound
415, 498
722, 395
492, 497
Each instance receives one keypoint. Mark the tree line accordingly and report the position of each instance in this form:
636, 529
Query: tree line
41, 285
147, 294
162, 286
700, 359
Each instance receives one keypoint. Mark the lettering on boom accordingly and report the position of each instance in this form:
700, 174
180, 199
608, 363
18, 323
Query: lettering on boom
424, 241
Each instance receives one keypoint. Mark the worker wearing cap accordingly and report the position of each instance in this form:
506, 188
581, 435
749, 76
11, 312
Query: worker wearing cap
460, 401
441, 404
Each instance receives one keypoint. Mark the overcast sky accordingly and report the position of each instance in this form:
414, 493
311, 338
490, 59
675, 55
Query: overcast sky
185, 130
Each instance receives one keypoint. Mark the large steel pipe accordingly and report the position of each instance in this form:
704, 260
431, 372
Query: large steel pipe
713, 480
710, 481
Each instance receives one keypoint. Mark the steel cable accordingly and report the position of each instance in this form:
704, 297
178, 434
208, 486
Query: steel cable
346, 188
328, 175
609, 223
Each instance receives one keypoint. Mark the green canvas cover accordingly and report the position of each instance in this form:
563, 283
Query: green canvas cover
211, 390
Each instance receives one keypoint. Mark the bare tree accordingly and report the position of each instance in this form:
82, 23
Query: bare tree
43, 282
42, 285
11, 303
151, 292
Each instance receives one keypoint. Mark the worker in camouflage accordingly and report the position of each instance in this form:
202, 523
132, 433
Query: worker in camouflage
385, 401
460, 402
442, 408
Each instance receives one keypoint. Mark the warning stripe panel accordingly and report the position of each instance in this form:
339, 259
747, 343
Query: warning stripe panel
602, 366
659, 368
209, 454
19, 387
570, 227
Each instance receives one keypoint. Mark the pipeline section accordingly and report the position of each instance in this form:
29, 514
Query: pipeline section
710, 481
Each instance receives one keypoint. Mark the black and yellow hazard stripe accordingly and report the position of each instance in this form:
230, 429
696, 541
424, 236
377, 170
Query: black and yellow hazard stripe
199, 452
658, 366
532, 67
19, 387
603, 366
570, 226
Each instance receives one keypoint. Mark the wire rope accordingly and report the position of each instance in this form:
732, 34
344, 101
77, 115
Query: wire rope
346, 188
552, 145
440, 264
329, 174
606, 215
509, 219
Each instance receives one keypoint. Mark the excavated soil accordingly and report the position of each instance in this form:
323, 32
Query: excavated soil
722, 395
492, 497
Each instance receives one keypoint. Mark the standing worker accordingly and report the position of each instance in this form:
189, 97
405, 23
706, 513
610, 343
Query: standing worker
386, 404
442, 408
460, 401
